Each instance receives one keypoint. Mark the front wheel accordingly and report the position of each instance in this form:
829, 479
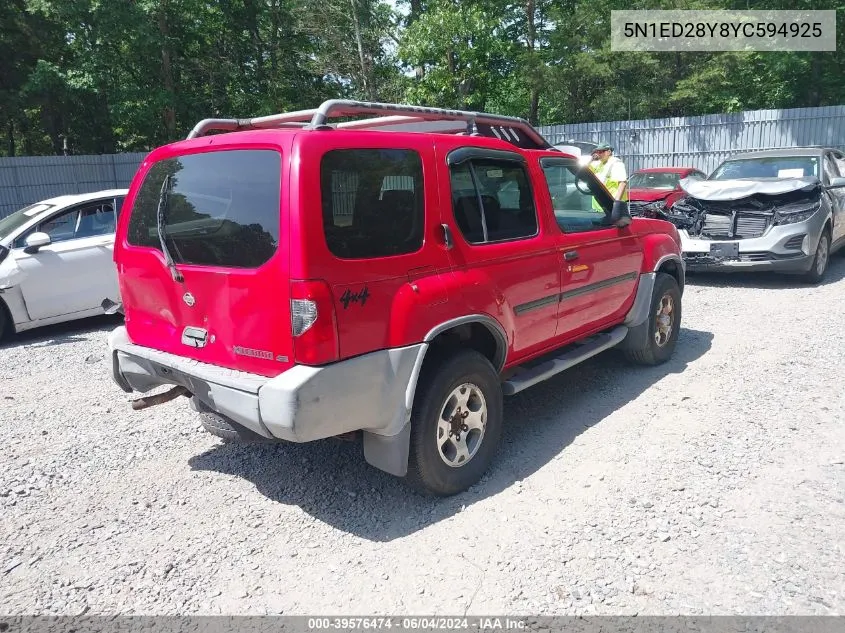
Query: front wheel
456, 424
663, 324
3, 321
819, 268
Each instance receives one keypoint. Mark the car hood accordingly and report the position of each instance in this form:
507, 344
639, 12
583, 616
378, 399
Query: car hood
648, 195
722, 190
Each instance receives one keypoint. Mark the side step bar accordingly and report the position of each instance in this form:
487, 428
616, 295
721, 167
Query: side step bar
590, 347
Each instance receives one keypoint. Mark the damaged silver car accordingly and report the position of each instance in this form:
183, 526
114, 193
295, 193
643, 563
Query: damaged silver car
779, 210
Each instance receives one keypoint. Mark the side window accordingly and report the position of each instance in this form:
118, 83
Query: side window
830, 169
62, 227
492, 201
373, 202
98, 219
579, 201
84, 221
840, 163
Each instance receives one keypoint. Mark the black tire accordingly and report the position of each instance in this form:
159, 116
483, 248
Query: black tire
4, 320
647, 350
818, 270
226, 429
428, 472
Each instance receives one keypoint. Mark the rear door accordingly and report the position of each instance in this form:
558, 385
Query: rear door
835, 167
600, 264
370, 214
75, 272
223, 226
503, 256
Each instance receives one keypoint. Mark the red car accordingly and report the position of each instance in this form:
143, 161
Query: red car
656, 188
299, 278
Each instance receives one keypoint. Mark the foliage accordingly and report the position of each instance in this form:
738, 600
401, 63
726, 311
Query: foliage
103, 76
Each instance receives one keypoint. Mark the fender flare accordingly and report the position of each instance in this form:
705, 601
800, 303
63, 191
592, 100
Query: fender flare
390, 452
484, 319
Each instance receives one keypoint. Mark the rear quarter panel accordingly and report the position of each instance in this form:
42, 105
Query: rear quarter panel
379, 302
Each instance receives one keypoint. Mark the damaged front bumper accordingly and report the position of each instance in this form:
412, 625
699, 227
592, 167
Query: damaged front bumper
772, 225
788, 248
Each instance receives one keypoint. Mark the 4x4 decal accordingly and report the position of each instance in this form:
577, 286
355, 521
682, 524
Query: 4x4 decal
355, 297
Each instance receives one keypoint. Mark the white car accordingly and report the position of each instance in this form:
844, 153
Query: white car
56, 260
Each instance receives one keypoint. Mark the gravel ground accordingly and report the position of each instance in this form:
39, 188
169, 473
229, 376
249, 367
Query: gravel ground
713, 484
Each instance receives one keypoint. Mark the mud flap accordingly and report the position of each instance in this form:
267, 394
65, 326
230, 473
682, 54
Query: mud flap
637, 318
389, 452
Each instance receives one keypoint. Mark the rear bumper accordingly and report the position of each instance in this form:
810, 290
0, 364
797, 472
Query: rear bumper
372, 393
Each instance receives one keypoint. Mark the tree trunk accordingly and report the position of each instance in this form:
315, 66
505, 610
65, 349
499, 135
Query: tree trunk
816, 90
415, 13
167, 72
534, 105
366, 81
10, 136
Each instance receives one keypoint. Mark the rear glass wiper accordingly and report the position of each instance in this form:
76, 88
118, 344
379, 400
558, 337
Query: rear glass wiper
160, 224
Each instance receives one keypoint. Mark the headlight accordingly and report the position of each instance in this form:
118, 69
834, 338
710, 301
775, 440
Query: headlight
799, 215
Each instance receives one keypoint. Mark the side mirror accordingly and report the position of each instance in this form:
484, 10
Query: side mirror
35, 241
836, 183
620, 215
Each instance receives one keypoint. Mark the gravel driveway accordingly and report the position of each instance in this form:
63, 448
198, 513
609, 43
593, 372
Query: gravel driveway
713, 484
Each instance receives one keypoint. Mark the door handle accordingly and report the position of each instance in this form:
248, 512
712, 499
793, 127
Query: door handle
570, 255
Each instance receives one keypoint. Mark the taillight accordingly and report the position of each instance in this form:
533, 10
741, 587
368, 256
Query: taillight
313, 323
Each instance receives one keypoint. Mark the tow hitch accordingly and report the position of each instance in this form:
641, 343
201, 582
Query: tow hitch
159, 398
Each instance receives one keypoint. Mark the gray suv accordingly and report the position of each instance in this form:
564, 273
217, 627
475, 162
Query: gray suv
780, 210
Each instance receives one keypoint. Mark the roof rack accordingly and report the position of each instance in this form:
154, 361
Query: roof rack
388, 116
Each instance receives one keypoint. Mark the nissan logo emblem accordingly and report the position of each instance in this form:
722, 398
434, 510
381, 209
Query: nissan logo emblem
189, 300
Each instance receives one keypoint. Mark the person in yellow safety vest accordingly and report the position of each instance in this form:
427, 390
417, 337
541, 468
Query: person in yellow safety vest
611, 171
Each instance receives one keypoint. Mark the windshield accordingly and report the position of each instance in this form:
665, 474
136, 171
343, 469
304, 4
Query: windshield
653, 180
12, 223
770, 167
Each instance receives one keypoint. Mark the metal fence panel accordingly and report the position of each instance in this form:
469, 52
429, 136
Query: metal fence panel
28, 179
701, 141
705, 141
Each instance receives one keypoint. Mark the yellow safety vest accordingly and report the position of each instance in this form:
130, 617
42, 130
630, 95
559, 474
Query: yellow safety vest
602, 172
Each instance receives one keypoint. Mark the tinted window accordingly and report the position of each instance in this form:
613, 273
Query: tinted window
579, 202
373, 204
221, 208
492, 201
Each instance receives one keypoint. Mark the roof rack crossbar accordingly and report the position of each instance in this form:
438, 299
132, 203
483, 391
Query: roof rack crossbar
231, 125
384, 114
342, 107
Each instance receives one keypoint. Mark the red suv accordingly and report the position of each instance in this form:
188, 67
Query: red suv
299, 279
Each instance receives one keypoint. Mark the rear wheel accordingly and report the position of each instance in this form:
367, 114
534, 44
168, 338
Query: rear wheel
226, 429
4, 321
820, 261
456, 424
663, 325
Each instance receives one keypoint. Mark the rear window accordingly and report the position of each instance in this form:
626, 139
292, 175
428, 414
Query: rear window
221, 208
372, 202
